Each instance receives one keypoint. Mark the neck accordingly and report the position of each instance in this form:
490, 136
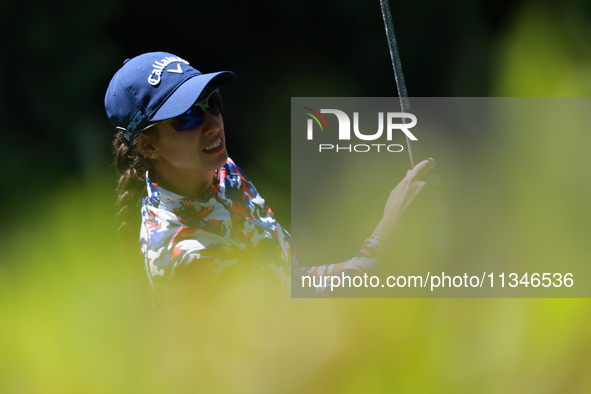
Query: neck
187, 184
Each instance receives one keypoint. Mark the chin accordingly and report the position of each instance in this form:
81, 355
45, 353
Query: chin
223, 159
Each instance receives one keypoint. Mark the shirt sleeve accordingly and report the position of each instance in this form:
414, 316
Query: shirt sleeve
361, 263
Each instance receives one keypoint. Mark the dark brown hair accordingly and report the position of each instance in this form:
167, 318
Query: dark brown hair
132, 167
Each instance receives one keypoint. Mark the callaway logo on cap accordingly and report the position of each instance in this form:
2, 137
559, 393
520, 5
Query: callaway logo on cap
153, 87
154, 78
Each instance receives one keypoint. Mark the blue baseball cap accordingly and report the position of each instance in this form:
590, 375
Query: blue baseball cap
152, 87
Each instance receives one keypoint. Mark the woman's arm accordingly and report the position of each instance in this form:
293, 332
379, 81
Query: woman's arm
413, 201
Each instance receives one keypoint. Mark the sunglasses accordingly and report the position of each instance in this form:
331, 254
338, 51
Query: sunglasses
194, 117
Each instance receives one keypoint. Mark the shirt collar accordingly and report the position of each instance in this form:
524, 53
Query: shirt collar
170, 201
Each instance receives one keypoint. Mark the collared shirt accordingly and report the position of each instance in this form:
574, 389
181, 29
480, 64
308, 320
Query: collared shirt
188, 244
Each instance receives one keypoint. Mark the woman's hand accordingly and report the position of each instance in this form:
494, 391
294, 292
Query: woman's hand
413, 206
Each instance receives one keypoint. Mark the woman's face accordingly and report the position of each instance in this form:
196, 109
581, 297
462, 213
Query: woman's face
202, 149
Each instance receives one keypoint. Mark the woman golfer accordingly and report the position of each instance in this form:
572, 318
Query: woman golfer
201, 217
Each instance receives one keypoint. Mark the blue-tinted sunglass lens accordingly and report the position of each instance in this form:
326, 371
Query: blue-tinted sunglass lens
191, 119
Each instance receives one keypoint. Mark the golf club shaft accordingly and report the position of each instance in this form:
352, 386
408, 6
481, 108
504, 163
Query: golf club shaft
414, 150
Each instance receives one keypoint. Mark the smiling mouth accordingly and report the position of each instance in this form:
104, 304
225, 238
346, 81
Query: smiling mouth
213, 146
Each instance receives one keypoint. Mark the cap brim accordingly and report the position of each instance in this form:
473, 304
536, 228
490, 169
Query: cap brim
188, 92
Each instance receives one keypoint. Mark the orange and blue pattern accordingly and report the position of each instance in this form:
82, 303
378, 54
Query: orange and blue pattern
189, 245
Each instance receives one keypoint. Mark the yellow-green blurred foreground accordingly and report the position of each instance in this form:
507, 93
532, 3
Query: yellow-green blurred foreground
70, 323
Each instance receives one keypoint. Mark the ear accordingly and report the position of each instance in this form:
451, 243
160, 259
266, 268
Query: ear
145, 147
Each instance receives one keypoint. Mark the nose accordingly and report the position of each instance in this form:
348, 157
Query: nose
211, 124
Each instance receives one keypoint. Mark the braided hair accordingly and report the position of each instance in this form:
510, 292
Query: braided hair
132, 167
